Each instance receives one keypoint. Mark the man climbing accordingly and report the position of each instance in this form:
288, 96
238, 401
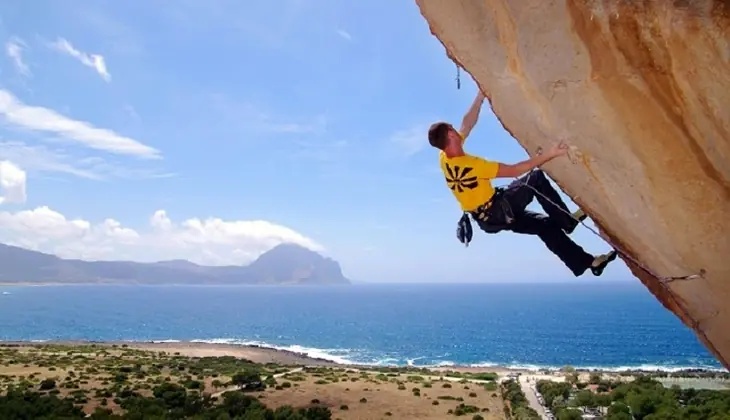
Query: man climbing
504, 209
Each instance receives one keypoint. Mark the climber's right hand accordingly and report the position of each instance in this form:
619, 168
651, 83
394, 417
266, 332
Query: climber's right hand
558, 150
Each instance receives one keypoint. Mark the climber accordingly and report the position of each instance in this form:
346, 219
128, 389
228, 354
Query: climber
504, 209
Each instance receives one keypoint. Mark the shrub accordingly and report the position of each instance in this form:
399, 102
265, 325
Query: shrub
47, 384
490, 386
462, 409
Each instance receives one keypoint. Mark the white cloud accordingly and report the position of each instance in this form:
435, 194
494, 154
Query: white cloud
211, 241
41, 159
12, 183
41, 119
344, 34
410, 141
14, 49
94, 61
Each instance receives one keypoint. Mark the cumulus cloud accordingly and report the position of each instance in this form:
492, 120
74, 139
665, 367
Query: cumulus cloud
94, 61
14, 49
12, 183
35, 118
210, 241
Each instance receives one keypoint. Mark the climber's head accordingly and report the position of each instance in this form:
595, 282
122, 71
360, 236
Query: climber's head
442, 136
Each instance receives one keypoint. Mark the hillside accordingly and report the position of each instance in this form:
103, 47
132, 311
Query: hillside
283, 264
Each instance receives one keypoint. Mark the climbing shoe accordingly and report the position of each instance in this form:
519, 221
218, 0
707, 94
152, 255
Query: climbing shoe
601, 261
578, 216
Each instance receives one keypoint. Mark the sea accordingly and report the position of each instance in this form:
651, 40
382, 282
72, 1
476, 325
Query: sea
605, 325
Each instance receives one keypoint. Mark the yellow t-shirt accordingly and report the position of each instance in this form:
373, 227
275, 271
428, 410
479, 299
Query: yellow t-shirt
469, 178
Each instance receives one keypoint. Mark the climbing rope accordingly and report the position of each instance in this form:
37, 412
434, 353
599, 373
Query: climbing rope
458, 77
663, 279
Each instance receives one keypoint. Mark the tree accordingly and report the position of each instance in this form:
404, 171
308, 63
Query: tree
570, 414
602, 400
47, 384
248, 379
572, 378
585, 398
595, 378
553, 392
619, 411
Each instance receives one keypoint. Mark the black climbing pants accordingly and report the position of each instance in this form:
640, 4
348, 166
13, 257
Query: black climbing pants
551, 229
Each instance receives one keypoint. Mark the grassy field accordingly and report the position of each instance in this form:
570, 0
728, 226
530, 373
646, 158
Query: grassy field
102, 375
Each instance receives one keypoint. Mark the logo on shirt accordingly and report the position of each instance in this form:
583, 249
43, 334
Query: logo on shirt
458, 178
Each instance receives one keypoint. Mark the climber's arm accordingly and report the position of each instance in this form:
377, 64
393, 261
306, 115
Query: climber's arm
471, 117
518, 169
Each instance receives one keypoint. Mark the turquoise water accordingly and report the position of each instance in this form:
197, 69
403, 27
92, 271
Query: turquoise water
609, 325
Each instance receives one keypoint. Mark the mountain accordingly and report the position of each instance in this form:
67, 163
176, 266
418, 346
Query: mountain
283, 264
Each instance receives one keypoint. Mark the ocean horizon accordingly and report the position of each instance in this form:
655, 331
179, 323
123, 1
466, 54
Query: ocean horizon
598, 325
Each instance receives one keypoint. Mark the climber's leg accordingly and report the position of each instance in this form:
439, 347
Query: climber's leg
550, 232
521, 192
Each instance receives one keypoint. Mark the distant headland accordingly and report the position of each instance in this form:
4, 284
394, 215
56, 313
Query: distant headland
285, 264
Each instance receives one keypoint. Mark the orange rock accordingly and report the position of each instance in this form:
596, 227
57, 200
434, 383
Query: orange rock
643, 90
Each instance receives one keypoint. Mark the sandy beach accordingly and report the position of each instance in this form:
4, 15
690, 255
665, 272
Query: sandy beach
264, 355
193, 349
253, 353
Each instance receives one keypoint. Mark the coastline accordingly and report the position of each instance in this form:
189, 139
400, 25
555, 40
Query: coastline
265, 354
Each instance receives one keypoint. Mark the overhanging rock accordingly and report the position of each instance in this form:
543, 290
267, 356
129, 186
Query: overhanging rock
642, 89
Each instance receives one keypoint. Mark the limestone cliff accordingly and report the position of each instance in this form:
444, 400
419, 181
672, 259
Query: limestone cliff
642, 90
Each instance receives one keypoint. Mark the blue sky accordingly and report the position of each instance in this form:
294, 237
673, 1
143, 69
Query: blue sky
214, 130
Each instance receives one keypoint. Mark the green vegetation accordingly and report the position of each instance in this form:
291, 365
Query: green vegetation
119, 382
170, 401
115, 382
518, 407
642, 398
463, 409
490, 386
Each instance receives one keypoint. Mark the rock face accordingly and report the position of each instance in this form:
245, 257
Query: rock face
642, 90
